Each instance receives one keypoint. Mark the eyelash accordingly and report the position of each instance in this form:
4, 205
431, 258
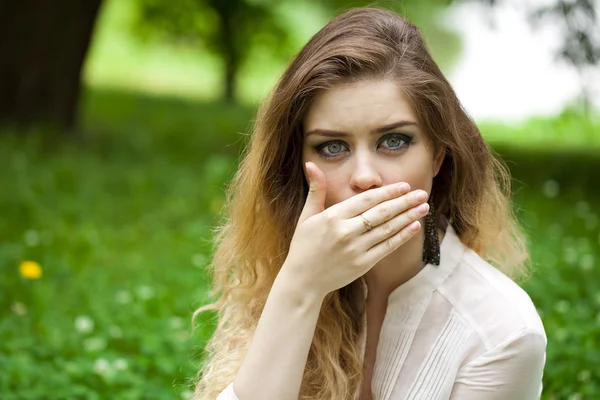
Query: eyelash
404, 138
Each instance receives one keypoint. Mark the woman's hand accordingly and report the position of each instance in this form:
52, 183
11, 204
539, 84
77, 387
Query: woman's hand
331, 248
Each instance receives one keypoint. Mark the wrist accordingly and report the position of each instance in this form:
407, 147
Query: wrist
299, 295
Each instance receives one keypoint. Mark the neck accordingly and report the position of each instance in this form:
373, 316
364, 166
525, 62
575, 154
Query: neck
396, 268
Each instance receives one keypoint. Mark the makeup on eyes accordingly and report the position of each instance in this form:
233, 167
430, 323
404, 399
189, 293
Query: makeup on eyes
404, 140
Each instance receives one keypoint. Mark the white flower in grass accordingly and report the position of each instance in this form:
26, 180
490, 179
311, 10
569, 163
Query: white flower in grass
94, 344
115, 332
176, 322
186, 395
570, 255
32, 238
18, 308
101, 366
145, 292
561, 335
587, 262
562, 306
123, 297
84, 324
551, 188
199, 260
120, 364
71, 368
584, 375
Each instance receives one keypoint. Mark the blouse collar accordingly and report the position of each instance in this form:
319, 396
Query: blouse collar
431, 276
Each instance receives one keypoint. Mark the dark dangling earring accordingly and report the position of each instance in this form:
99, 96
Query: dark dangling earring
431, 246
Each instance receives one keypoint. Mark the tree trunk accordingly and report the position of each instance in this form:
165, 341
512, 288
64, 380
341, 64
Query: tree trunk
226, 11
42, 49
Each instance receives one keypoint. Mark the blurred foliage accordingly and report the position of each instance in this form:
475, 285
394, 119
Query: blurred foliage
229, 28
119, 220
236, 30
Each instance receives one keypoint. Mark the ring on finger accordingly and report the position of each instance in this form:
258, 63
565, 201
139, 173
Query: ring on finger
367, 223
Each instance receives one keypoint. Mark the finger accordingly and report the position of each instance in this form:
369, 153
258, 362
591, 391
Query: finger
393, 226
390, 209
382, 249
365, 200
317, 190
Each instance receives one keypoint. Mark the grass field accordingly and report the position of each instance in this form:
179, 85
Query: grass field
119, 220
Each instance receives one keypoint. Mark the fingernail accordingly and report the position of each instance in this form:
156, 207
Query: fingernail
403, 187
422, 195
423, 208
415, 226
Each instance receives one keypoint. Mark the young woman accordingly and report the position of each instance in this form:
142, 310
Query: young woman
370, 243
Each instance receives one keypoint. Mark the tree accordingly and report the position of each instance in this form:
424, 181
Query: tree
43, 44
231, 29
228, 28
42, 49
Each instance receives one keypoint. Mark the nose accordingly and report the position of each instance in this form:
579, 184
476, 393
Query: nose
365, 175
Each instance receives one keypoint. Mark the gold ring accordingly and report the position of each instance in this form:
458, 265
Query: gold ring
367, 223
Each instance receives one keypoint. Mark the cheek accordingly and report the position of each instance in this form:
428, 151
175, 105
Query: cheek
337, 186
417, 178
418, 172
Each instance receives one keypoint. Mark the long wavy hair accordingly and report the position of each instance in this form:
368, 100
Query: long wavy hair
267, 194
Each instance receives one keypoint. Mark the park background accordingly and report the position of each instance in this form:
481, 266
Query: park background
106, 212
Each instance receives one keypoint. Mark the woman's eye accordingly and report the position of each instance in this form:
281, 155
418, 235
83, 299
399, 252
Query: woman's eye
396, 141
330, 149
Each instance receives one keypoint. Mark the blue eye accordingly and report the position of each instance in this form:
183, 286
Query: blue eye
396, 141
333, 148
391, 142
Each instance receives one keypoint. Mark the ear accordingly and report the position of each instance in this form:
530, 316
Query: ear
438, 160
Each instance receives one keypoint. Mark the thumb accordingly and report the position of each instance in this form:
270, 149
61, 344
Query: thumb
315, 201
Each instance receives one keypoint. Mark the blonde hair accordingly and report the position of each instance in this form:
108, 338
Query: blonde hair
267, 194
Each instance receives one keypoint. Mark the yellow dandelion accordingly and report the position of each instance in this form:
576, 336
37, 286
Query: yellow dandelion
30, 270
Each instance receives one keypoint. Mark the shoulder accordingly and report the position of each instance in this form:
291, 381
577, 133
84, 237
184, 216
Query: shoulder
497, 309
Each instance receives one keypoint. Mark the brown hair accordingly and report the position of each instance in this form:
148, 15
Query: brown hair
472, 190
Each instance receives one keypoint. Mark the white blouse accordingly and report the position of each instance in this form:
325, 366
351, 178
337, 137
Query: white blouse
459, 330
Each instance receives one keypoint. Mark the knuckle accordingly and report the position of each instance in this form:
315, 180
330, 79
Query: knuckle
406, 201
389, 244
401, 236
367, 199
352, 255
330, 217
344, 234
391, 192
384, 212
387, 228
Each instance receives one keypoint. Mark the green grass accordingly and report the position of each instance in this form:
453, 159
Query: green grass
119, 217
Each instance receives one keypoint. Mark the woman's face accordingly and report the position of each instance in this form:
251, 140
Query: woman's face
364, 135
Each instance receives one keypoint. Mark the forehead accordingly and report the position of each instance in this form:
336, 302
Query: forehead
358, 106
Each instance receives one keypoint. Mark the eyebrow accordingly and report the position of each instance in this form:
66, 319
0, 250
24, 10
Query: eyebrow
382, 129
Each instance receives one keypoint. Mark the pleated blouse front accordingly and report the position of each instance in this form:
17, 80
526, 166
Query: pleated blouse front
459, 330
